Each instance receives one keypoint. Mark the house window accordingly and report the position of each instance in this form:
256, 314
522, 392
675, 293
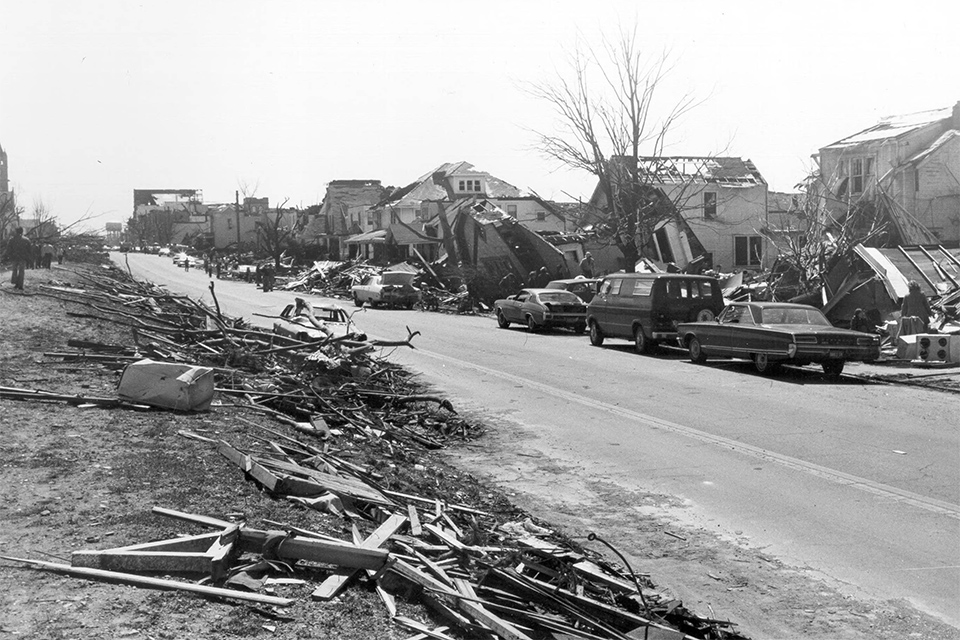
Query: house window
709, 205
377, 219
394, 217
747, 251
861, 174
512, 210
541, 215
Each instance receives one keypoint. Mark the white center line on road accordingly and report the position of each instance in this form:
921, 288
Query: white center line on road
831, 475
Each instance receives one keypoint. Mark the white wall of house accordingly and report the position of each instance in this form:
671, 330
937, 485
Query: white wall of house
727, 223
531, 214
931, 190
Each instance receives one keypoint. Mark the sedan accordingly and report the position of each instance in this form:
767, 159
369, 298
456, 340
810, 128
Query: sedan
393, 288
542, 308
585, 288
776, 333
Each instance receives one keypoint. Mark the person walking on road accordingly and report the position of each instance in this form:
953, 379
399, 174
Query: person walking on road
19, 253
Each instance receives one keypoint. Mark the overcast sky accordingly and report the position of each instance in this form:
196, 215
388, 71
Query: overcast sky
100, 98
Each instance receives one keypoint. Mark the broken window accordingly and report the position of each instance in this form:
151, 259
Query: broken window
747, 251
861, 174
709, 205
512, 210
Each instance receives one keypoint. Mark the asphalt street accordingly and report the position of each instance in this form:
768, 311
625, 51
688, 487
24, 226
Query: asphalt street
856, 481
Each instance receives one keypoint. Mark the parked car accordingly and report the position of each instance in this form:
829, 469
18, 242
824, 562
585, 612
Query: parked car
647, 307
776, 333
542, 309
181, 259
391, 288
584, 288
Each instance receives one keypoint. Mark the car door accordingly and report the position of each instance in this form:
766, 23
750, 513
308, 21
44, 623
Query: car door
514, 303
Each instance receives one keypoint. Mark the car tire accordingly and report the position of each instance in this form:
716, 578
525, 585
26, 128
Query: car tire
502, 322
579, 328
696, 351
356, 300
640, 341
763, 365
596, 336
833, 368
706, 315
531, 324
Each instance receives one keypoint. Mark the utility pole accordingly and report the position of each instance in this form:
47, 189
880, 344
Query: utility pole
236, 205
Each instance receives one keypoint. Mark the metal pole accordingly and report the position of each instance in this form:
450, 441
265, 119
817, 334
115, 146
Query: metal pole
236, 206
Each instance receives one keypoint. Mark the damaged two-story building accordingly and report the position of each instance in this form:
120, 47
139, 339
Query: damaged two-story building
717, 205
908, 166
458, 209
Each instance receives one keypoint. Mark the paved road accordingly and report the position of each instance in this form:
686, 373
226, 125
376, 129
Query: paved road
860, 482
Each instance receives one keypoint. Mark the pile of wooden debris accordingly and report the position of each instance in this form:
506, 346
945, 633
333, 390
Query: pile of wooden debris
483, 575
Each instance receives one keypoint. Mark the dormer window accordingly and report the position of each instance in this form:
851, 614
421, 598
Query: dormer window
470, 185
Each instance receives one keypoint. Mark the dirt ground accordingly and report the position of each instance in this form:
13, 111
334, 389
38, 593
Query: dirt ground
75, 478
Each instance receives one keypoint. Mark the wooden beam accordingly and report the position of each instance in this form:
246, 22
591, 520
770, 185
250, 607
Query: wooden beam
189, 517
335, 583
165, 561
475, 610
157, 583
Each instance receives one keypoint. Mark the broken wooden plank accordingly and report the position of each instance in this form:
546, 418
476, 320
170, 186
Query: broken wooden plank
333, 584
157, 583
163, 561
415, 528
411, 573
474, 609
205, 521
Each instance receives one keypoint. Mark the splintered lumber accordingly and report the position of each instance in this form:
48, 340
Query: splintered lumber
335, 583
343, 554
156, 583
406, 570
476, 611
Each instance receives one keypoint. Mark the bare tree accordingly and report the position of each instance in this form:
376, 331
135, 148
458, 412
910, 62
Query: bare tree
10, 213
275, 233
611, 127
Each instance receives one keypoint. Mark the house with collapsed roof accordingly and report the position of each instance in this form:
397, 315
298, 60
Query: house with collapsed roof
336, 217
911, 164
456, 202
719, 205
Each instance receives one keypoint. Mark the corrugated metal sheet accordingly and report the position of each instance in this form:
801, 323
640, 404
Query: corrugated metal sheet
937, 270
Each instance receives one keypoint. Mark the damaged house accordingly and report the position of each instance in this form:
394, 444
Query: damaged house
909, 165
458, 209
716, 206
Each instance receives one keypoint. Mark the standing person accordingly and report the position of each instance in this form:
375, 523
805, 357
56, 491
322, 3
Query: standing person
586, 266
46, 254
915, 305
61, 254
860, 322
19, 252
543, 277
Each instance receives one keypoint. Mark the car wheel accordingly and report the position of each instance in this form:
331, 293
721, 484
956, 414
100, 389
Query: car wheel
356, 300
501, 321
531, 324
763, 364
696, 351
640, 341
596, 336
833, 368
705, 315
579, 328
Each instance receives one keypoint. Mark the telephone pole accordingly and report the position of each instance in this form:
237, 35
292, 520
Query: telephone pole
236, 206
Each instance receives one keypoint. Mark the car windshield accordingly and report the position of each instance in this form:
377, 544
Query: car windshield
559, 297
794, 316
398, 277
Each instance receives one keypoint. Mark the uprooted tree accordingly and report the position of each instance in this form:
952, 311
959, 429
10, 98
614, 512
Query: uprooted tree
607, 118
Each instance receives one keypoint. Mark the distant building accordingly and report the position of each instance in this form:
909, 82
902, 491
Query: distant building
911, 162
342, 203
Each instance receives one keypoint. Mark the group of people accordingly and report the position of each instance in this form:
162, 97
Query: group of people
537, 279
24, 254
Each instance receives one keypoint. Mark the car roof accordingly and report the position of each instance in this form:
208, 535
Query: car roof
776, 305
657, 276
573, 280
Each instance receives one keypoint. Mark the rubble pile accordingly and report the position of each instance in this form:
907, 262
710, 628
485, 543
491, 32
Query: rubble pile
483, 572
330, 278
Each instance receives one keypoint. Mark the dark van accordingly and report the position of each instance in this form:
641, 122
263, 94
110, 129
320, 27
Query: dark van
647, 307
